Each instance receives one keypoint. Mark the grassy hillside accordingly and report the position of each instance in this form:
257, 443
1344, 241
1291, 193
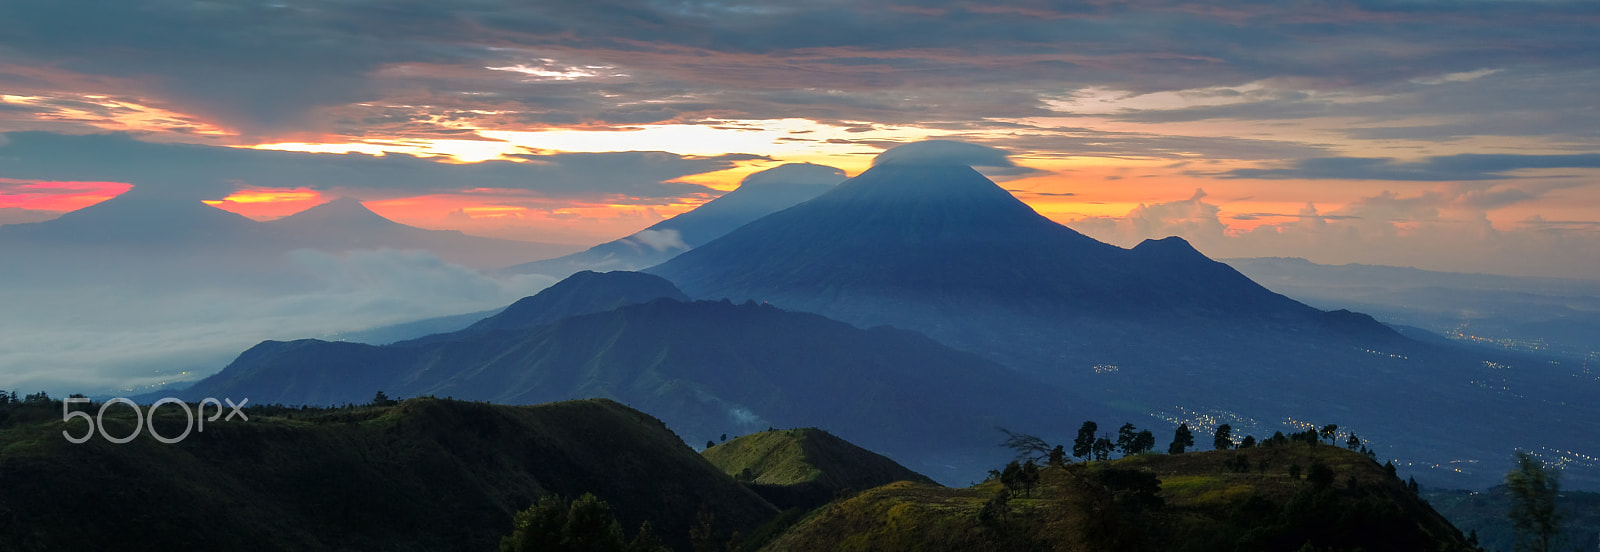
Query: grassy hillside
1196, 501
805, 467
426, 474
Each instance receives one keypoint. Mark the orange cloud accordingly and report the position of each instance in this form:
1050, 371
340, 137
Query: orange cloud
57, 196
268, 203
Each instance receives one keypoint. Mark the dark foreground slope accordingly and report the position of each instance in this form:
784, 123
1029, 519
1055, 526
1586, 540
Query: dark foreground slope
706, 368
1188, 502
805, 468
423, 475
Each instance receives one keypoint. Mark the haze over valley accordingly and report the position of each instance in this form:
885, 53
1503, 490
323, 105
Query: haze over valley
644, 276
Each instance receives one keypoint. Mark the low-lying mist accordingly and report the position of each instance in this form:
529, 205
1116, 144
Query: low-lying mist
130, 323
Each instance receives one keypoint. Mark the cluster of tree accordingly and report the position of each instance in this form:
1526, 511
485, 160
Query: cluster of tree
555, 524
1130, 441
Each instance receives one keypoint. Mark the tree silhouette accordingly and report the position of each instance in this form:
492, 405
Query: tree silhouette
1144, 442
1102, 448
1058, 457
1223, 439
1533, 508
1125, 437
1028, 447
1328, 431
1029, 477
1320, 476
382, 399
555, 525
1181, 439
1248, 442
1353, 442
1084, 444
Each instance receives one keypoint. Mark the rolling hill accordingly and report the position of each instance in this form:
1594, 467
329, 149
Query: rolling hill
805, 468
426, 474
1187, 502
706, 368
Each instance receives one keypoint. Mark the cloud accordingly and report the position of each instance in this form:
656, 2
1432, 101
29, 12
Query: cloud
211, 172
1434, 169
795, 174
278, 67
659, 240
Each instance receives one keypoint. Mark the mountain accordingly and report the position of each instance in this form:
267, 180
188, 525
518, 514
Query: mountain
345, 224
1192, 502
581, 293
948, 238
1159, 328
426, 474
391, 333
706, 368
138, 219
805, 468
758, 195
141, 226
1541, 315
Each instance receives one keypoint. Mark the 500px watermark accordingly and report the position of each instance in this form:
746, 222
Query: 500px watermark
98, 421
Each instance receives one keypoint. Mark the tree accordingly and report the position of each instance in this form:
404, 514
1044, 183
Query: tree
1011, 477
1084, 444
1029, 477
555, 525
1028, 447
1181, 439
1353, 442
1125, 437
590, 526
1320, 476
382, 399
1144, 442
703, 536
1058, 457
1102, 448
540, 527
646, 540
710, 444
1248, 442
1223, 439
1328, 431
724, 437
1533, 507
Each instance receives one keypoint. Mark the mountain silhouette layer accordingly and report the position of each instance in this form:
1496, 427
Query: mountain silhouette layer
706, 368
1158, 328
758, 195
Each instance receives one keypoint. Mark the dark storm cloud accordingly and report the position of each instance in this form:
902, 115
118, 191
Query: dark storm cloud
1449, 168
210, 172
265, 66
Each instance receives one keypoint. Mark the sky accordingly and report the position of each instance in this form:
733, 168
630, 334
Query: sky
1457, 135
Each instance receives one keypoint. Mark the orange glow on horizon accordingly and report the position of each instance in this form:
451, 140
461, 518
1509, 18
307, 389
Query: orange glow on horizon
62, 196
268, 203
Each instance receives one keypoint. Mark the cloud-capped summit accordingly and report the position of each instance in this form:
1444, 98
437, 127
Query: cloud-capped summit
993, 161
758, 195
